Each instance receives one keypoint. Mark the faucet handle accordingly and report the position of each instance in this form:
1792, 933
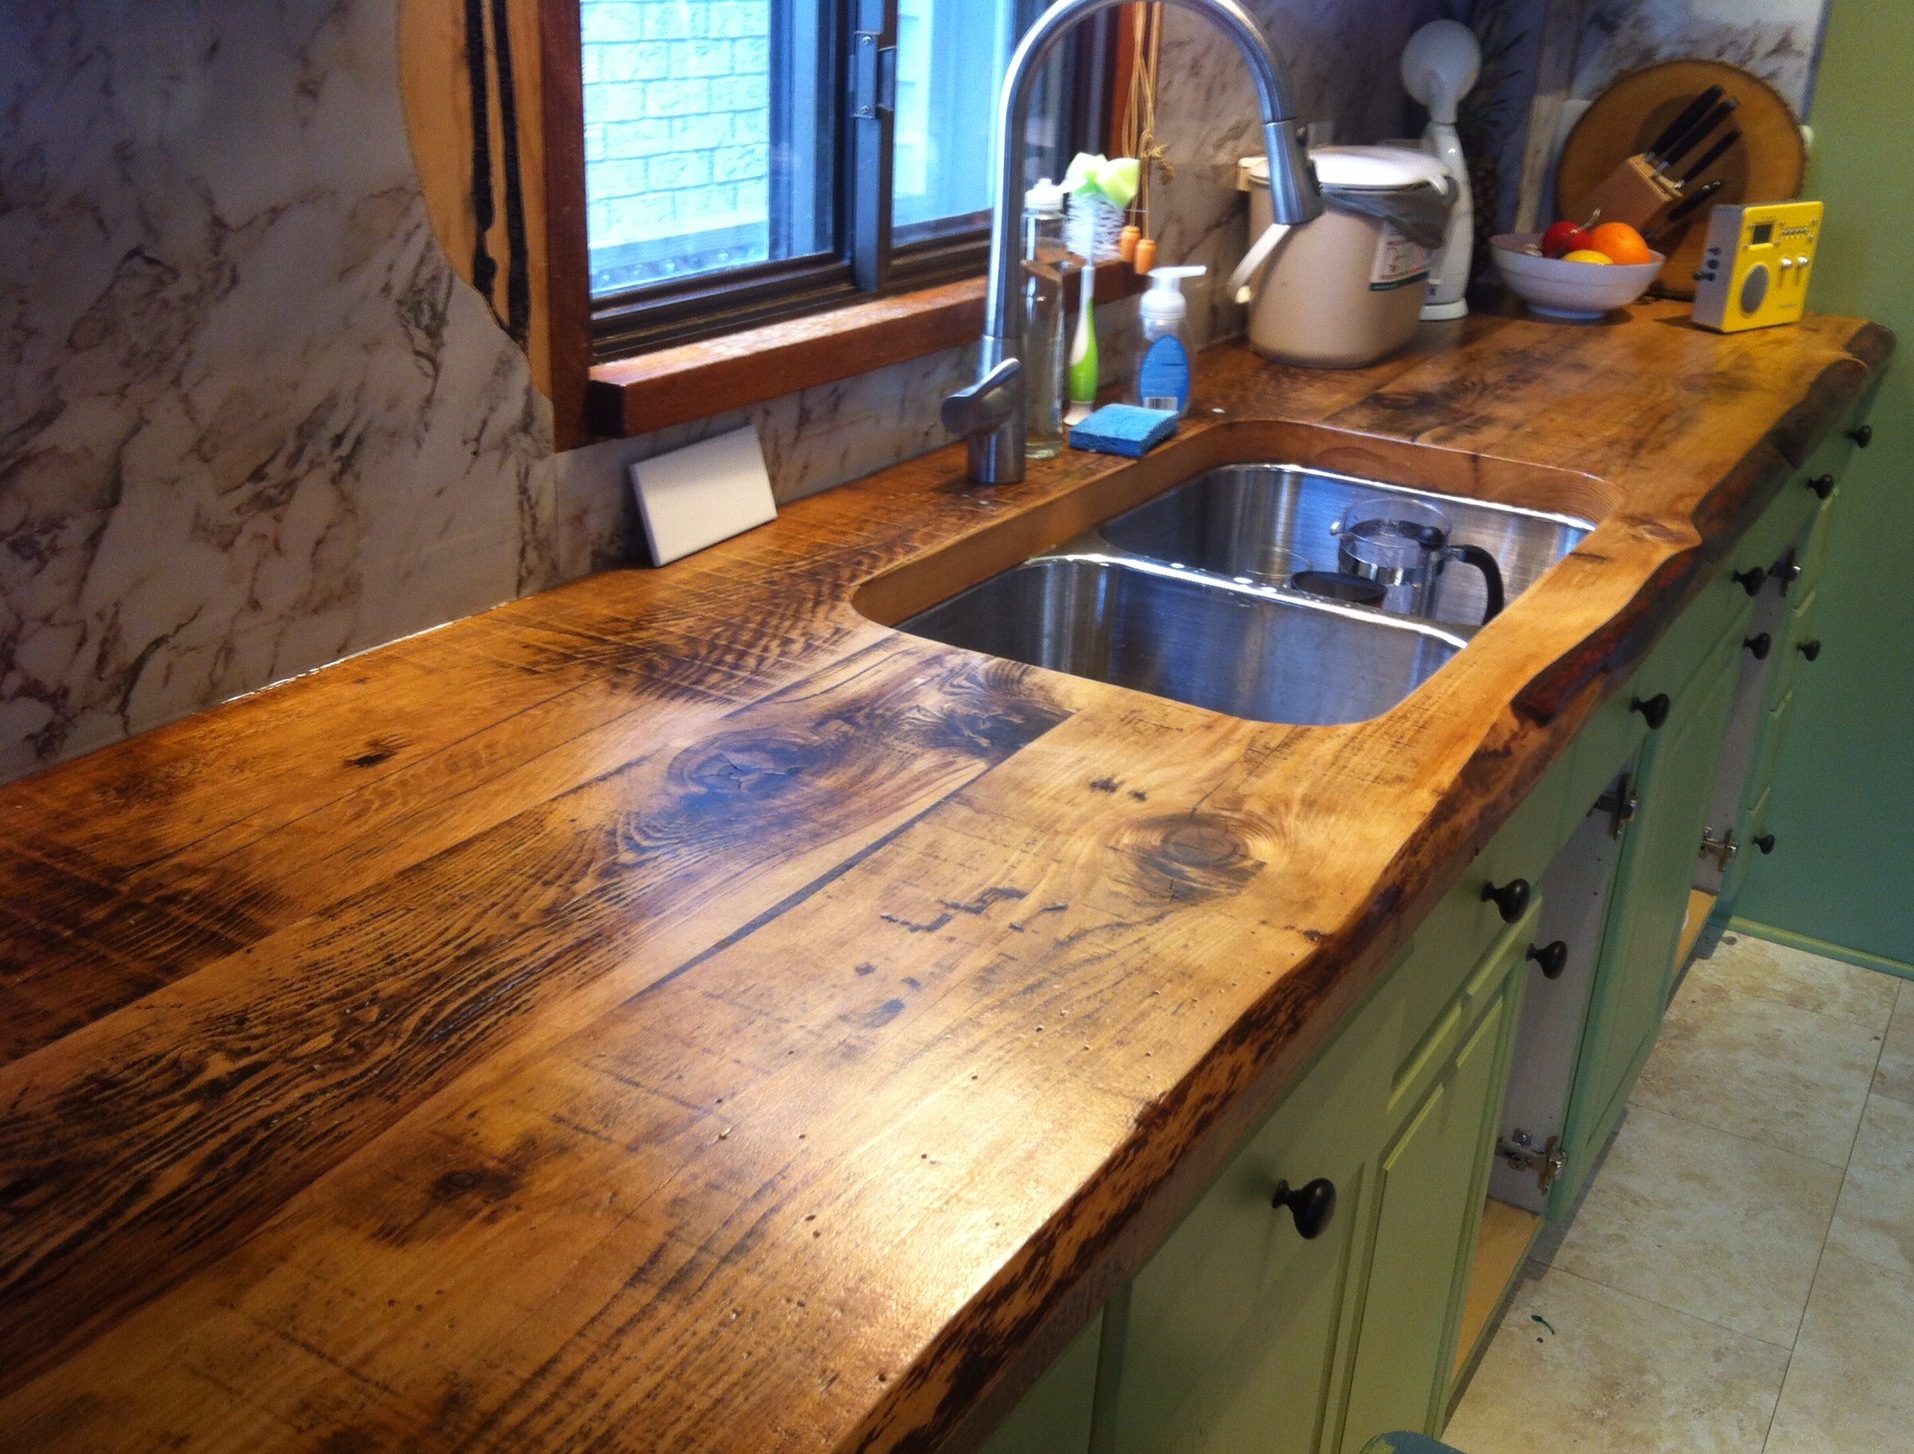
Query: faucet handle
987, 404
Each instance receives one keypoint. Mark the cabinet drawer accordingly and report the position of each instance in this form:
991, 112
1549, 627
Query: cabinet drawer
1607, 743
1450, 943
1723, 606
1786, 522
1458, 1018
1796, 634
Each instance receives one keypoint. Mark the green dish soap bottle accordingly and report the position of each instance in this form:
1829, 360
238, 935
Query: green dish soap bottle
1165, 361
1085, 366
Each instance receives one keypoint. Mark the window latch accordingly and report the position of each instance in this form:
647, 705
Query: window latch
873, 75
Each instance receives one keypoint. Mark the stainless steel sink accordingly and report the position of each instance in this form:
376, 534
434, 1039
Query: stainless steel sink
1254, 651
1238, 520
1183, 597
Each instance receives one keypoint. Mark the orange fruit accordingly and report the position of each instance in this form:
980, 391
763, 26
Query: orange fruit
1587, 255
1620, 243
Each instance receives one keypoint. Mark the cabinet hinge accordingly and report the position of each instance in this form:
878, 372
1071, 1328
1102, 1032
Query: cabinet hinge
1723, 849
1620, 803
1518, 1148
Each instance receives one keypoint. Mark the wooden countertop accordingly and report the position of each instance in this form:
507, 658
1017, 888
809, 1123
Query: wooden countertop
676, 1012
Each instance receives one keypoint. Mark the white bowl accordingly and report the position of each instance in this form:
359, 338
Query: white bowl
1556, 288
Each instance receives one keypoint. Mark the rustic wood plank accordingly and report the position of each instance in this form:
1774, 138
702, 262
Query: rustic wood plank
207, 1104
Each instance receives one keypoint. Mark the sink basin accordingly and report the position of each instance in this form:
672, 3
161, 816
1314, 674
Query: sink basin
1255, 651
1240, 520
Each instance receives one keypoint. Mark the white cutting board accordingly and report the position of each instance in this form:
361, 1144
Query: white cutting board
704, 493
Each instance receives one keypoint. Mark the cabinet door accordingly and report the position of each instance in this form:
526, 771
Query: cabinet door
1430, 1185
1230, 1332
1645, 915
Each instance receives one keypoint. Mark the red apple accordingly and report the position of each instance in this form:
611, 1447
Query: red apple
1565, 237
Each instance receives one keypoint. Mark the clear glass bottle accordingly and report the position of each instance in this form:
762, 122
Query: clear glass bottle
1047, 269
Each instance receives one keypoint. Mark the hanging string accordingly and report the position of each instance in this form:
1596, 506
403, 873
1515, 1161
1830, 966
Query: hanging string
1139, 117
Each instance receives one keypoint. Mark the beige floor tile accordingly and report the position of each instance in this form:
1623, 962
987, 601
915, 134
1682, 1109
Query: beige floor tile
1759, 1068
1617, 1375
1850, 1386
1874, 1220
1796, 977
1706, 1223
1895, 1074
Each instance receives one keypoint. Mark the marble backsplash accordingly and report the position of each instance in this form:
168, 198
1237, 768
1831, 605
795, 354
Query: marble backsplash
254, 423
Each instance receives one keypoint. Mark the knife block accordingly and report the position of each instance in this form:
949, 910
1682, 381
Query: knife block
1634, 193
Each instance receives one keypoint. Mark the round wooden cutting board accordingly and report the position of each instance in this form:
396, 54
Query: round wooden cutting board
1766, 165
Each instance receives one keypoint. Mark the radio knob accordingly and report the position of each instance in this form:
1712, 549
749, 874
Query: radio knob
1754, 288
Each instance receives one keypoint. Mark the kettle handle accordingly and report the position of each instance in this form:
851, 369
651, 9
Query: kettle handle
1476, 556
1242, 283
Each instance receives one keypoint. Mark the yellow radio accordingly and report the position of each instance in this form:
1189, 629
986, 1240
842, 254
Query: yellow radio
1754, 270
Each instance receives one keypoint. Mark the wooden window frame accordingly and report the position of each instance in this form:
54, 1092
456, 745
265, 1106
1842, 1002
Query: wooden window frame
929, 299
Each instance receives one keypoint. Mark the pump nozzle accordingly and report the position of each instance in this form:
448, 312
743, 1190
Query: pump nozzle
1164, 302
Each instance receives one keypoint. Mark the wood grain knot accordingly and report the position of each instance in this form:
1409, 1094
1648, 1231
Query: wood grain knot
1189, 858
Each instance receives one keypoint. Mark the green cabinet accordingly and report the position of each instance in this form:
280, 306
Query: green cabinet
1241, 1334
1228, 1335
1430, 1181
1674, 781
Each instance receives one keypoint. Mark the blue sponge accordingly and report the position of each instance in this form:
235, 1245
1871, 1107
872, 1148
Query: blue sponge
1123, 429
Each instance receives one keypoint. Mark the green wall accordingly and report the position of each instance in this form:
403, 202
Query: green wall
1843, 869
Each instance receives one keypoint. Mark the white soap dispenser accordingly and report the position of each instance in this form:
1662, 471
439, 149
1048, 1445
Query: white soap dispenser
1439, 67
1164, 369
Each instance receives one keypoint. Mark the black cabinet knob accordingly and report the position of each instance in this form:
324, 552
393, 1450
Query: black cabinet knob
1759, 646
1862, 437
1787, 570
1810, 649
1511, 900
1552, 957
1654, 709
1751, 579
1312, 1205
1765, 842
1822, 485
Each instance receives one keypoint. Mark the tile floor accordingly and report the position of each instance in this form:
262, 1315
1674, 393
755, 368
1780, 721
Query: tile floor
1739, 1277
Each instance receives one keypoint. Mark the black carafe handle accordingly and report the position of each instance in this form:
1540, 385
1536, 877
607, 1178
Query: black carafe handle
1476, 556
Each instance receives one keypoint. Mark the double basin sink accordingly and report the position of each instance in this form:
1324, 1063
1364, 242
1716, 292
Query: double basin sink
1189, 597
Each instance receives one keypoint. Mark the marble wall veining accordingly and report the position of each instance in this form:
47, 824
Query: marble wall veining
251, 423
1343, 60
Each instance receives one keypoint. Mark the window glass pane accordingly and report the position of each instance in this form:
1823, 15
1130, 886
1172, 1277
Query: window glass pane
951, 56
708, 141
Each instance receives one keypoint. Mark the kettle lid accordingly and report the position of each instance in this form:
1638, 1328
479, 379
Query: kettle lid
1358, 169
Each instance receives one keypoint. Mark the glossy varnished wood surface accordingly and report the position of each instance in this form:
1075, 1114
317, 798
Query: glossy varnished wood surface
678, 1012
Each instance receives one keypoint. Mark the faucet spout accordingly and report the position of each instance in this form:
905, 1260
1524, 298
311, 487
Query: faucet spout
997, 448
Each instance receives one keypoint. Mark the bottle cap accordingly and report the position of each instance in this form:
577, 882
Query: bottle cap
1165, 303
1045, 199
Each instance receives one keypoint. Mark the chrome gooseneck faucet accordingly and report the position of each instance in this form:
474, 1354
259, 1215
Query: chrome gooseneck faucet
992, 413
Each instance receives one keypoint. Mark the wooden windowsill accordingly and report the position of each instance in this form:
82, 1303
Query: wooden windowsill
692, 380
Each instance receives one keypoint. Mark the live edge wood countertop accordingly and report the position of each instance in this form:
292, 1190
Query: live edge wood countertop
677, 1012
